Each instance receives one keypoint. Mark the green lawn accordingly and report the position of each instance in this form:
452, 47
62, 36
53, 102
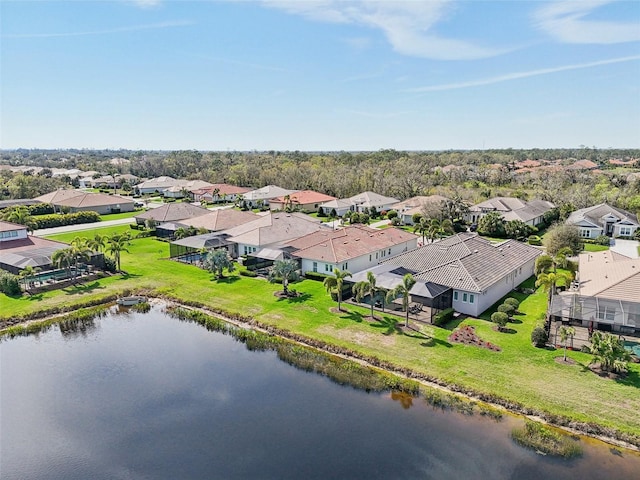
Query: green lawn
118, 216
592, 247
519, 373
67, 237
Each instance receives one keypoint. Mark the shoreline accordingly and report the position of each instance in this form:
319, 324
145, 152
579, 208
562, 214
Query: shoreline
568, 425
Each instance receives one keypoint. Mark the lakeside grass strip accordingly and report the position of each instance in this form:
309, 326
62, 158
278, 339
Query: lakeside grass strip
340, 370
587, 428
546, 441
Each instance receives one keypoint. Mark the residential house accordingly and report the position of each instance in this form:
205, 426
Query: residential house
272, 229
185, 188
605, 295
463, 271
157, 185
304, 201
19, 250
220, 219
262, 196
604, 219
531, 213
409, 207
218, 192
352, 248
359, 203
583, 165
80, 201
170, 212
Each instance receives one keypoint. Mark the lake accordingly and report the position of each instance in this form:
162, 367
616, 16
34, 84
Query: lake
145, 396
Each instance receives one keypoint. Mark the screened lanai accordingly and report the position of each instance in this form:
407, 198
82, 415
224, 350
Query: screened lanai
597, 312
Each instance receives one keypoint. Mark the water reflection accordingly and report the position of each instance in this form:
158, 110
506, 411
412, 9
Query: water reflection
146, 396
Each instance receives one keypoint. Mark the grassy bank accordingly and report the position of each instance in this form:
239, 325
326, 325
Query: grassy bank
520, 373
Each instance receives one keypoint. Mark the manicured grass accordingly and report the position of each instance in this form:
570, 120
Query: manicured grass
118, 216
519, 373
67, 237
592, 247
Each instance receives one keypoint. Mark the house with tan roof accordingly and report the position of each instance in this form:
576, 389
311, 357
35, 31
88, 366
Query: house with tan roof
157, 185
80, 201
220, 219
306, 201
262, 196
184, 188
510, 208
354, 248
270, 230
170, 212
605, 295
463, 271
604, 219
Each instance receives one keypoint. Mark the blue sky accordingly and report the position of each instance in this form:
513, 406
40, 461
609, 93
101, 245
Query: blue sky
319, 75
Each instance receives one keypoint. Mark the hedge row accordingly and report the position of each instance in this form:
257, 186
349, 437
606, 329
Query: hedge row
56, 220
443, 317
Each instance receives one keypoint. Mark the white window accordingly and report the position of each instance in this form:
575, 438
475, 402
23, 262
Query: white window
455, 296
315, 266
585, 233
327, 267
464, 297
471, 298
625, 231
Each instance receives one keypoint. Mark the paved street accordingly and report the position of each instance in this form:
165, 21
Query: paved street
83, 226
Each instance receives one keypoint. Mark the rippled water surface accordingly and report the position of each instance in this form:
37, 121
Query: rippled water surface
149, 397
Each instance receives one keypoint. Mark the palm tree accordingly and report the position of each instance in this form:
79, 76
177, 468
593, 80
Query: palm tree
548, 282
609, 351
364, 288
217, 260
403, 290
118, 243
287, 270
336, 282
97, 243
181, 232
64, 258
565, 333
26, 275
422, 227
21, 216
81, 253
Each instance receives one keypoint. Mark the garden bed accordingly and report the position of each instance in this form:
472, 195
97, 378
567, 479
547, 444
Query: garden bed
467, 336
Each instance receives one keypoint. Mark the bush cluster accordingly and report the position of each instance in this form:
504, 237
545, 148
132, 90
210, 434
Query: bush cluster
443, 317
9, 284
57, 220
315, 276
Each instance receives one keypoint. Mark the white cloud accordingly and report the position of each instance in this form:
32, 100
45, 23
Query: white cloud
518, 75
146, 3
132, 28
407, 25
565, 21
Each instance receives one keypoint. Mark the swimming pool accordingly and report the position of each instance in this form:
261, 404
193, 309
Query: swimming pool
633, 347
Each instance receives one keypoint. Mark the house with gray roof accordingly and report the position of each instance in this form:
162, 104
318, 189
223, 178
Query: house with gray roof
604, 219
80, 201
511, 208
358, 203
171, 212
475, 272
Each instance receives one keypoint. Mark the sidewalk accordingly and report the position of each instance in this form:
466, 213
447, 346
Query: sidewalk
83, 226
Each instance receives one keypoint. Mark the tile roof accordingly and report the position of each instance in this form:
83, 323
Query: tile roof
466, 261
347, 243
594, 215
81, 199
222, 188
172, 212
220, 219
417, 202
10, 226
609, 275
267, 193
30, 251
274, 228
514, 208
305, 197
160, 183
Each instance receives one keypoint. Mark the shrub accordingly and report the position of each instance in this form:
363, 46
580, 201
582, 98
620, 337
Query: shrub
443, 317
55, 220
535, 240
500, 318
396, 221
512, 301
9, 284
507, 309
315, 276
248, 273
391, 214
109, 264
539, 337
603, 240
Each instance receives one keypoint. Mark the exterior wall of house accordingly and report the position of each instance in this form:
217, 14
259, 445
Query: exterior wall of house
358, 264
624, 230
299, 207
339, 211
484, 300
244, 249
13, 235
590, 232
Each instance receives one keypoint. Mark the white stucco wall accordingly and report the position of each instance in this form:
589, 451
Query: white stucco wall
13, 235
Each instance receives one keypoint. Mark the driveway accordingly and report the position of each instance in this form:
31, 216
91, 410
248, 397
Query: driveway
83, 226
628, 248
